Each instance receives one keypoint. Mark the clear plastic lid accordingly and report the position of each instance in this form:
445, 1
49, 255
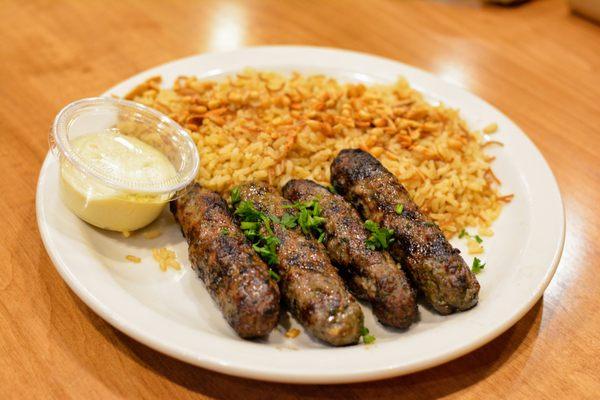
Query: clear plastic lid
97, 114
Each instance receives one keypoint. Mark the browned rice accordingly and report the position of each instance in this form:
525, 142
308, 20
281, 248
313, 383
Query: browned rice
266, 126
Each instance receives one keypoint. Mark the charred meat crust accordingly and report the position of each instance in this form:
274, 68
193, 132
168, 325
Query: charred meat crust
236, 278
310, 286
371, 275
436, 267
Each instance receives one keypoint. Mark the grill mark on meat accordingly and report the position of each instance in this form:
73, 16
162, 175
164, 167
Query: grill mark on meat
437, 268
236, 278
310, 286
371, 275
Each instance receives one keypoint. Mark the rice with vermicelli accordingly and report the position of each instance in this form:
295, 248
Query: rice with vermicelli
269, 127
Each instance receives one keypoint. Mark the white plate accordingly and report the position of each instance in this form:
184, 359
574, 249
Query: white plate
172, 313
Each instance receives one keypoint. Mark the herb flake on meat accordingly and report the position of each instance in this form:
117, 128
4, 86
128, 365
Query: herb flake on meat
289, 221
308, 218
399, 209
380, 238
251, 221
235, 196
274, 275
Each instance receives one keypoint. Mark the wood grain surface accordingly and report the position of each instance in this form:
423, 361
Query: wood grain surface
537, 63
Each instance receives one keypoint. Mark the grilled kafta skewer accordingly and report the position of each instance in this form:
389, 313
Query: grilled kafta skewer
436, 267
237, 279
310, 286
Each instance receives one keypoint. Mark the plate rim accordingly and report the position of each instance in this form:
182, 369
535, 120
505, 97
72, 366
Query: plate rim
130, 328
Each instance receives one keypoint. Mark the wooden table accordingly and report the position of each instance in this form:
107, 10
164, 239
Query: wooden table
537, 63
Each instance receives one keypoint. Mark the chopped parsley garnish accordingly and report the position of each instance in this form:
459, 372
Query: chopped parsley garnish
380, 238
251, 221
321, 237
463, 233
258, 229
274, 275
266, 247
308, 218
246, 211
268, 251
248, 225
399, 209
477, 266
288, 221
367, 338
225, 232
267, 223
235, 196
332, 189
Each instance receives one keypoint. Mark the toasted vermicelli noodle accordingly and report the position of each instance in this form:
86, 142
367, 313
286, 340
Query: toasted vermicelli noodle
270, 127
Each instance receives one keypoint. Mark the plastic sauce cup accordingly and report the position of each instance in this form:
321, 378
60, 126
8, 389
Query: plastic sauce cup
120, 161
